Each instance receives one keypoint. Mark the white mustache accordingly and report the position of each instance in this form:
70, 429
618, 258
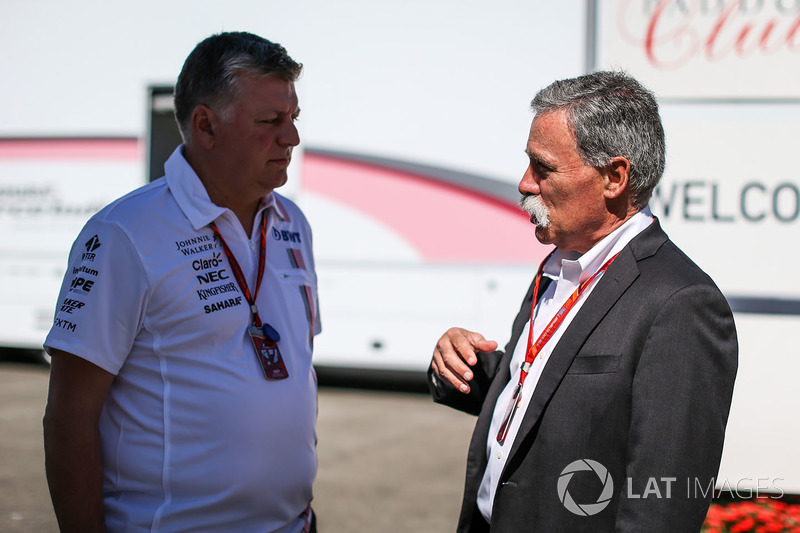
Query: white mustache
534, 206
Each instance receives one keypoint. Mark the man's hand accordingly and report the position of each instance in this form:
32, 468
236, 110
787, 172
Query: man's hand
455, 353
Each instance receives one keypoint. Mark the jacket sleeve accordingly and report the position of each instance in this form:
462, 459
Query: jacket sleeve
471, 403
681, 397
484, 371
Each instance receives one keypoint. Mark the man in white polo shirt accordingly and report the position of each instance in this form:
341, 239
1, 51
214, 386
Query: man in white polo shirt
607, 409
182, 395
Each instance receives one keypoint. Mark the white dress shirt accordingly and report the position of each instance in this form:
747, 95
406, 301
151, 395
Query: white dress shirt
567, 270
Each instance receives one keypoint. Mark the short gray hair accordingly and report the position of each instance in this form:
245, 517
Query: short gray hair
612, 115
211, 71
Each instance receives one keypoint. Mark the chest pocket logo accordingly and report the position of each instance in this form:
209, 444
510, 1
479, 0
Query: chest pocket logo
286, 236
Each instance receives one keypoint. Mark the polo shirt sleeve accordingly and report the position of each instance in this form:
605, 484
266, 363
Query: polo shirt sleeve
101, 306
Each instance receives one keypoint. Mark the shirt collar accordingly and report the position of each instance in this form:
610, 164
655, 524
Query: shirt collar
193, 199
572, 265
274, 200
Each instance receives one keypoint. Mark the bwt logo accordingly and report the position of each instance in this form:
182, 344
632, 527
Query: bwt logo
585, 509
289, 236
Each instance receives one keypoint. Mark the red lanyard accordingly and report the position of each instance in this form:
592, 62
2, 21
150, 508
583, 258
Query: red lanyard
535, 347
237, 270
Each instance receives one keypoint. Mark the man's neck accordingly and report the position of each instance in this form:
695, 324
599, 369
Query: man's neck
613, 223
245, 209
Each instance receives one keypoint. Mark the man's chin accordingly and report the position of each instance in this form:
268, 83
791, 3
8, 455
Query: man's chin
543, 234
278, 180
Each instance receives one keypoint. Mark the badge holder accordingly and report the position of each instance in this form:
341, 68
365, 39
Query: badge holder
265, 341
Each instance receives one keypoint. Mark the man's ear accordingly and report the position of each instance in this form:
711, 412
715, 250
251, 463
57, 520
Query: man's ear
203, 125
616, 177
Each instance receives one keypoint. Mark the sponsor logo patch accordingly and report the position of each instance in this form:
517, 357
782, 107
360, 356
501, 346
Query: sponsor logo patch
85, 270
92, 244
65, 324
69, 305
205, 294
224, 304
287, 236
196, 245
81, 284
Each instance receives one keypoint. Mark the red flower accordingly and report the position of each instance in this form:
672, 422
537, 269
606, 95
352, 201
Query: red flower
760, 516
745, 525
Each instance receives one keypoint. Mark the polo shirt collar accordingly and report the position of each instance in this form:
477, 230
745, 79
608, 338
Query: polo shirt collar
193, 199
274, 200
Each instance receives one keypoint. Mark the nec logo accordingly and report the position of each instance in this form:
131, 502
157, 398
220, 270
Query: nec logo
283, 235
211, 276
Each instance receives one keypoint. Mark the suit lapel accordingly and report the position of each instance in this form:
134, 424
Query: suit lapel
503, 371
503, 375
612, 285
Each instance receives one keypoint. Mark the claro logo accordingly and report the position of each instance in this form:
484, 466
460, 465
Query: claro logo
207, 264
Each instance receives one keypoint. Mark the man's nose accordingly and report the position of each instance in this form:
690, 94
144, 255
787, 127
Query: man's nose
529, 184
289, 136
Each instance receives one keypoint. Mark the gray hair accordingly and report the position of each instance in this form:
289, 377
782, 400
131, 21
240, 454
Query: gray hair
211, 71
612, 115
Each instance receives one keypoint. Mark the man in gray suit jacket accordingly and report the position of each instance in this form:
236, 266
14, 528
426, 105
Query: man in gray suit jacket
607, 409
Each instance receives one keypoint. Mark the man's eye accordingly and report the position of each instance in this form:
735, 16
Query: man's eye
540, 168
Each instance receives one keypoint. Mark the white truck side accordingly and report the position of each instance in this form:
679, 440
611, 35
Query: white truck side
414, 120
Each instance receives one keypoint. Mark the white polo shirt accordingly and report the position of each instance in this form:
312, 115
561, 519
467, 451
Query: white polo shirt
194, 437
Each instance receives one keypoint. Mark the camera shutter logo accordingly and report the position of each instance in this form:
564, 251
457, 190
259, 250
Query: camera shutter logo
585, 509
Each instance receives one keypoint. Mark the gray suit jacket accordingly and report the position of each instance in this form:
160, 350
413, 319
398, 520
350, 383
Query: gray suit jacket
640, 383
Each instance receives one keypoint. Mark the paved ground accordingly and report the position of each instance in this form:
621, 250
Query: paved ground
389, 461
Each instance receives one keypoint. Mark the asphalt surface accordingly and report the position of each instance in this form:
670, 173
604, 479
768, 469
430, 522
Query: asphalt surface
389, 461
